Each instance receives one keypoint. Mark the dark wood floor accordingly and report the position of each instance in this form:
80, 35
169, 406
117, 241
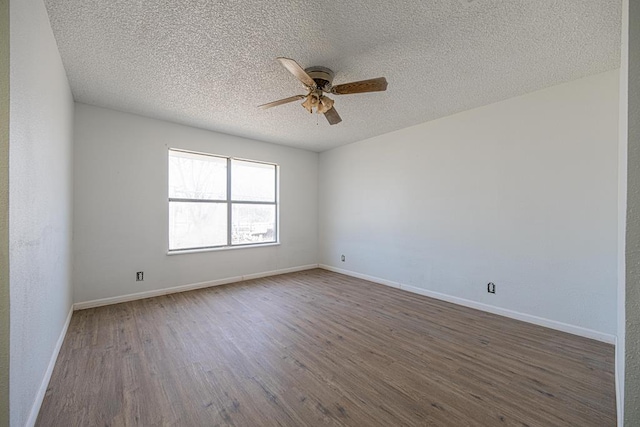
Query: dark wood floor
319, 348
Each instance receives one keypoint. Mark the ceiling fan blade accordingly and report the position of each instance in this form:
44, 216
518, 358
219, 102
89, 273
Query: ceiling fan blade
280, 102
332, 116
297, 71
371, 85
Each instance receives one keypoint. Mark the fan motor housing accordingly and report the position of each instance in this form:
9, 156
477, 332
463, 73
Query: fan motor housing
322, 76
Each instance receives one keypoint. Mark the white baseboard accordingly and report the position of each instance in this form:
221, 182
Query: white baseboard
184, 288
540, 321
361, 276
35, 408
619, 389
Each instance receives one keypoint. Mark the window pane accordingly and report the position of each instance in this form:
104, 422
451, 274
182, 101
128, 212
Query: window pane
253, 224
254, 182
197, 225
196, 176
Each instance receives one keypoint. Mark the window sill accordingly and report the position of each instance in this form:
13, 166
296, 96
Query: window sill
222, 248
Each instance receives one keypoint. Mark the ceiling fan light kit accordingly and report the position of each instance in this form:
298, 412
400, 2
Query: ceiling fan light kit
318, 81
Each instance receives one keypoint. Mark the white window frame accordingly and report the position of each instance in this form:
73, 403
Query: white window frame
230, 202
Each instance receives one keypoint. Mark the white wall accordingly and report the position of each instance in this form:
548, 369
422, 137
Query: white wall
40, 203
622, 207
121, 213
632, 297
4, 212
522, 193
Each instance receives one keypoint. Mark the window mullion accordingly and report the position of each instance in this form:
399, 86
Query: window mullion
251, 202
177, 199
276, 196
229, 210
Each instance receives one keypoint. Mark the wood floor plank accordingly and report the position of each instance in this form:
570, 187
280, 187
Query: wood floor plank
317, 348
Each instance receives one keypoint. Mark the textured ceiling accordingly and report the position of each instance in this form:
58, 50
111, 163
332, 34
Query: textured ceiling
209, 63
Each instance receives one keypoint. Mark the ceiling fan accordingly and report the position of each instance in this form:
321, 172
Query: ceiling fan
318, 81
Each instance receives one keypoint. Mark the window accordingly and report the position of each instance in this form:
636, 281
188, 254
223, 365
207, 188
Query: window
219, 201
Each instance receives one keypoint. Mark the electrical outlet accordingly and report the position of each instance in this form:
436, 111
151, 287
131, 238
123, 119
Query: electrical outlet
491, 288
342, 258
139, 276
